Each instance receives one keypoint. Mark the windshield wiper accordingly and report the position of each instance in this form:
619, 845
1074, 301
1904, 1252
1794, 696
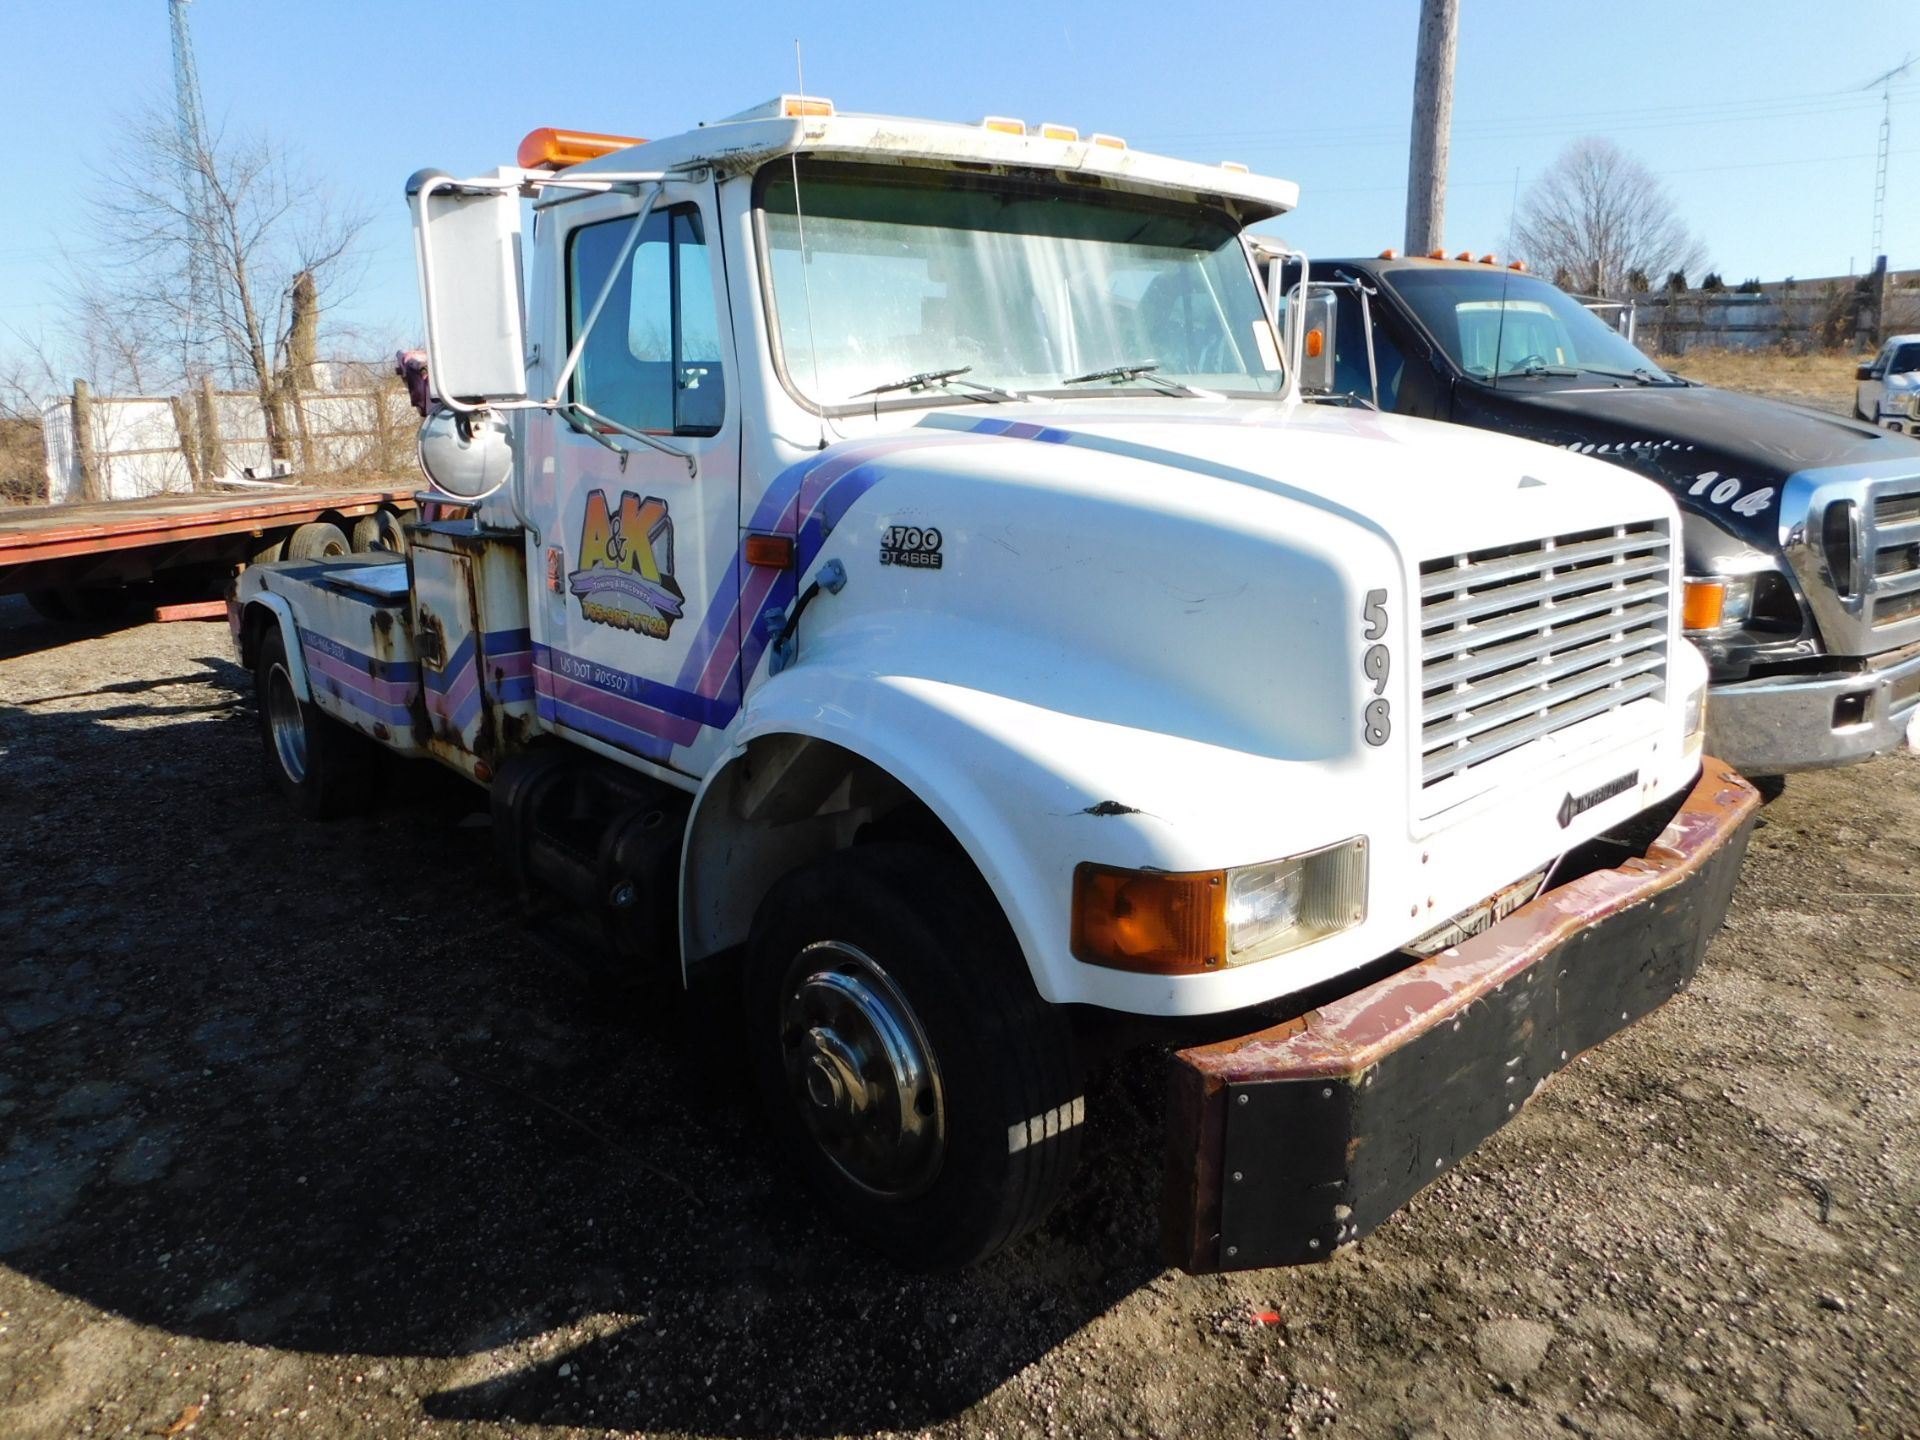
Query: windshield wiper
1640, 373
941, 380
1142, 371
1537, 368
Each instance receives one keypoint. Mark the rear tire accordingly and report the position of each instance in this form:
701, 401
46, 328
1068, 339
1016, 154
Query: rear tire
324, 769
379, 531
317, 540
49, 605
908, 1066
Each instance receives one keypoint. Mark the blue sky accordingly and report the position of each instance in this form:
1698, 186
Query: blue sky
1750, 112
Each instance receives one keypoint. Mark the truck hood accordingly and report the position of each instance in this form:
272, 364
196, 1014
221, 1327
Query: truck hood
1678, 435
1431, 488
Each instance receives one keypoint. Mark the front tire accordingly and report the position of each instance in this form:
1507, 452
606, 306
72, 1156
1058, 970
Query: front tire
322, 768
909, 1068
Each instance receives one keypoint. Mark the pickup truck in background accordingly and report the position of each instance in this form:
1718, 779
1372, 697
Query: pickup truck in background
1887, 388
1801, 531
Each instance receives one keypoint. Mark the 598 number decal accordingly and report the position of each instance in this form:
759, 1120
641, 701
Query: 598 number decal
1376, 665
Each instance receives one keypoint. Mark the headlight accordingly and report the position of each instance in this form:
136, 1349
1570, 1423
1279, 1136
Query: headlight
1694, 719
1189, 922
1719, 602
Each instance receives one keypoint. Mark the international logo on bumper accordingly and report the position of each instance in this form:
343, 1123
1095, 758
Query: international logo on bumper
625, 577
1579, 804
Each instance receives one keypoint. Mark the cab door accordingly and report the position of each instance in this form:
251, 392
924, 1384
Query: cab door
635, 583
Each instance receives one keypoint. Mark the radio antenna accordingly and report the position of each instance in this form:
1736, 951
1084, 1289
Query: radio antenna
806, 279
1500, 328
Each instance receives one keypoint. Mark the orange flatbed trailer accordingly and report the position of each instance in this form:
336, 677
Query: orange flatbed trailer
117, 542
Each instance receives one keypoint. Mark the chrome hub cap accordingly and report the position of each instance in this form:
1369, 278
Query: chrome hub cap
286, 724
861, 1072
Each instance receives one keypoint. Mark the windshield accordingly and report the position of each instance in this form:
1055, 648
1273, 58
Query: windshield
1025, 284
1905, 359
1499, 322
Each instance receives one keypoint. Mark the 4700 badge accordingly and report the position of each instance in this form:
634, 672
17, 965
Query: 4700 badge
915, 546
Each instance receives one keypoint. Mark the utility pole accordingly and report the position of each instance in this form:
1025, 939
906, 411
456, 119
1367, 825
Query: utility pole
1432, 126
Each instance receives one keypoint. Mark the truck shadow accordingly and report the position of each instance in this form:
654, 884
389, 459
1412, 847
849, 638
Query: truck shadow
317, 1088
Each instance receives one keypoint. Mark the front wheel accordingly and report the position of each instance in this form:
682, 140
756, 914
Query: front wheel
323, 768
909, 1068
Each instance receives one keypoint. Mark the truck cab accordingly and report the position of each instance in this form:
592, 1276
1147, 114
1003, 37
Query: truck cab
898, 586
1799, 529
1887, 388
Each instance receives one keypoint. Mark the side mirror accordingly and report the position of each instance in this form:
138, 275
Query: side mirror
1318, 316
467, 242
1865, 372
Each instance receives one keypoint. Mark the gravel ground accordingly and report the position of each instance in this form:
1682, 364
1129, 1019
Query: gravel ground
298, 1127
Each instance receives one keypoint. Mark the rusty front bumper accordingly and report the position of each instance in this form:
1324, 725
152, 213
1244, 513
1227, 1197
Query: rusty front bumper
1293, 1141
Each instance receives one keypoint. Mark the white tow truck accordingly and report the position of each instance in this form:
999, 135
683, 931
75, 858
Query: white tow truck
900, 586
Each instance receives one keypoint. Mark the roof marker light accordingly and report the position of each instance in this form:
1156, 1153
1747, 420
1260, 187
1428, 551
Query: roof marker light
1489, 259
1466, 255
1112, 142
1235, 166
1058, 132
1389, 254
794, 106
1436, 254
1519, 265
1006, 125
549, 149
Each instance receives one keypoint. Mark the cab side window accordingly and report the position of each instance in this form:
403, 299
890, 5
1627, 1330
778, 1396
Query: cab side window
1350, 354
653, 359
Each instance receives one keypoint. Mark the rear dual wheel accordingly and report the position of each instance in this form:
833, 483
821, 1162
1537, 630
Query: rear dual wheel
323, 768
909, 1068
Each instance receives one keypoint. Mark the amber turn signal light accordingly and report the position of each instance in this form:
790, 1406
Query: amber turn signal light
1157, 922
770, 552
1704, 606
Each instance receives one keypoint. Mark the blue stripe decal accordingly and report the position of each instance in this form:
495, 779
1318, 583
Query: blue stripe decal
442, 680
357, 700
401, 670
627, 686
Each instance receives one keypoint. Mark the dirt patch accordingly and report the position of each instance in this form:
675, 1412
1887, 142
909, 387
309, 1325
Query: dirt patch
278, 1137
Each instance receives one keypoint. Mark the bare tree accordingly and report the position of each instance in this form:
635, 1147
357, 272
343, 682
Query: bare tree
272, 245
1599, 217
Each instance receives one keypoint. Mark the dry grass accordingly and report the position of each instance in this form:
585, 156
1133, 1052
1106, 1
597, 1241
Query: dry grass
23, 463
1822, 379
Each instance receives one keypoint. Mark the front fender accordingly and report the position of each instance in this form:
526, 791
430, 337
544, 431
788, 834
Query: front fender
1029, 791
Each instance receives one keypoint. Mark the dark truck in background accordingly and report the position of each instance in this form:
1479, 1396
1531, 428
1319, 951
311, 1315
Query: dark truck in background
1801, 530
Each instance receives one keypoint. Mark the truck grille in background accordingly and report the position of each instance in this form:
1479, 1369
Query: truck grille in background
1519, 641
1893, 554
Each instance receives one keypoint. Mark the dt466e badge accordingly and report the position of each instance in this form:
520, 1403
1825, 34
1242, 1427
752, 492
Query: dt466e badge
626, 565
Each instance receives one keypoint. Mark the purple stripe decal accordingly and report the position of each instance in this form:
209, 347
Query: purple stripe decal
464, 687
388, 691
601, 728
510, 667
630, 713
352, 699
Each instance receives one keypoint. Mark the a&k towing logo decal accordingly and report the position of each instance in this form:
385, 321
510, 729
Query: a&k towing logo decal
625, 577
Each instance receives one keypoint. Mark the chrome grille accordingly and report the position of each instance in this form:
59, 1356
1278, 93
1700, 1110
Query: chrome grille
1892, 570
1519, 641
